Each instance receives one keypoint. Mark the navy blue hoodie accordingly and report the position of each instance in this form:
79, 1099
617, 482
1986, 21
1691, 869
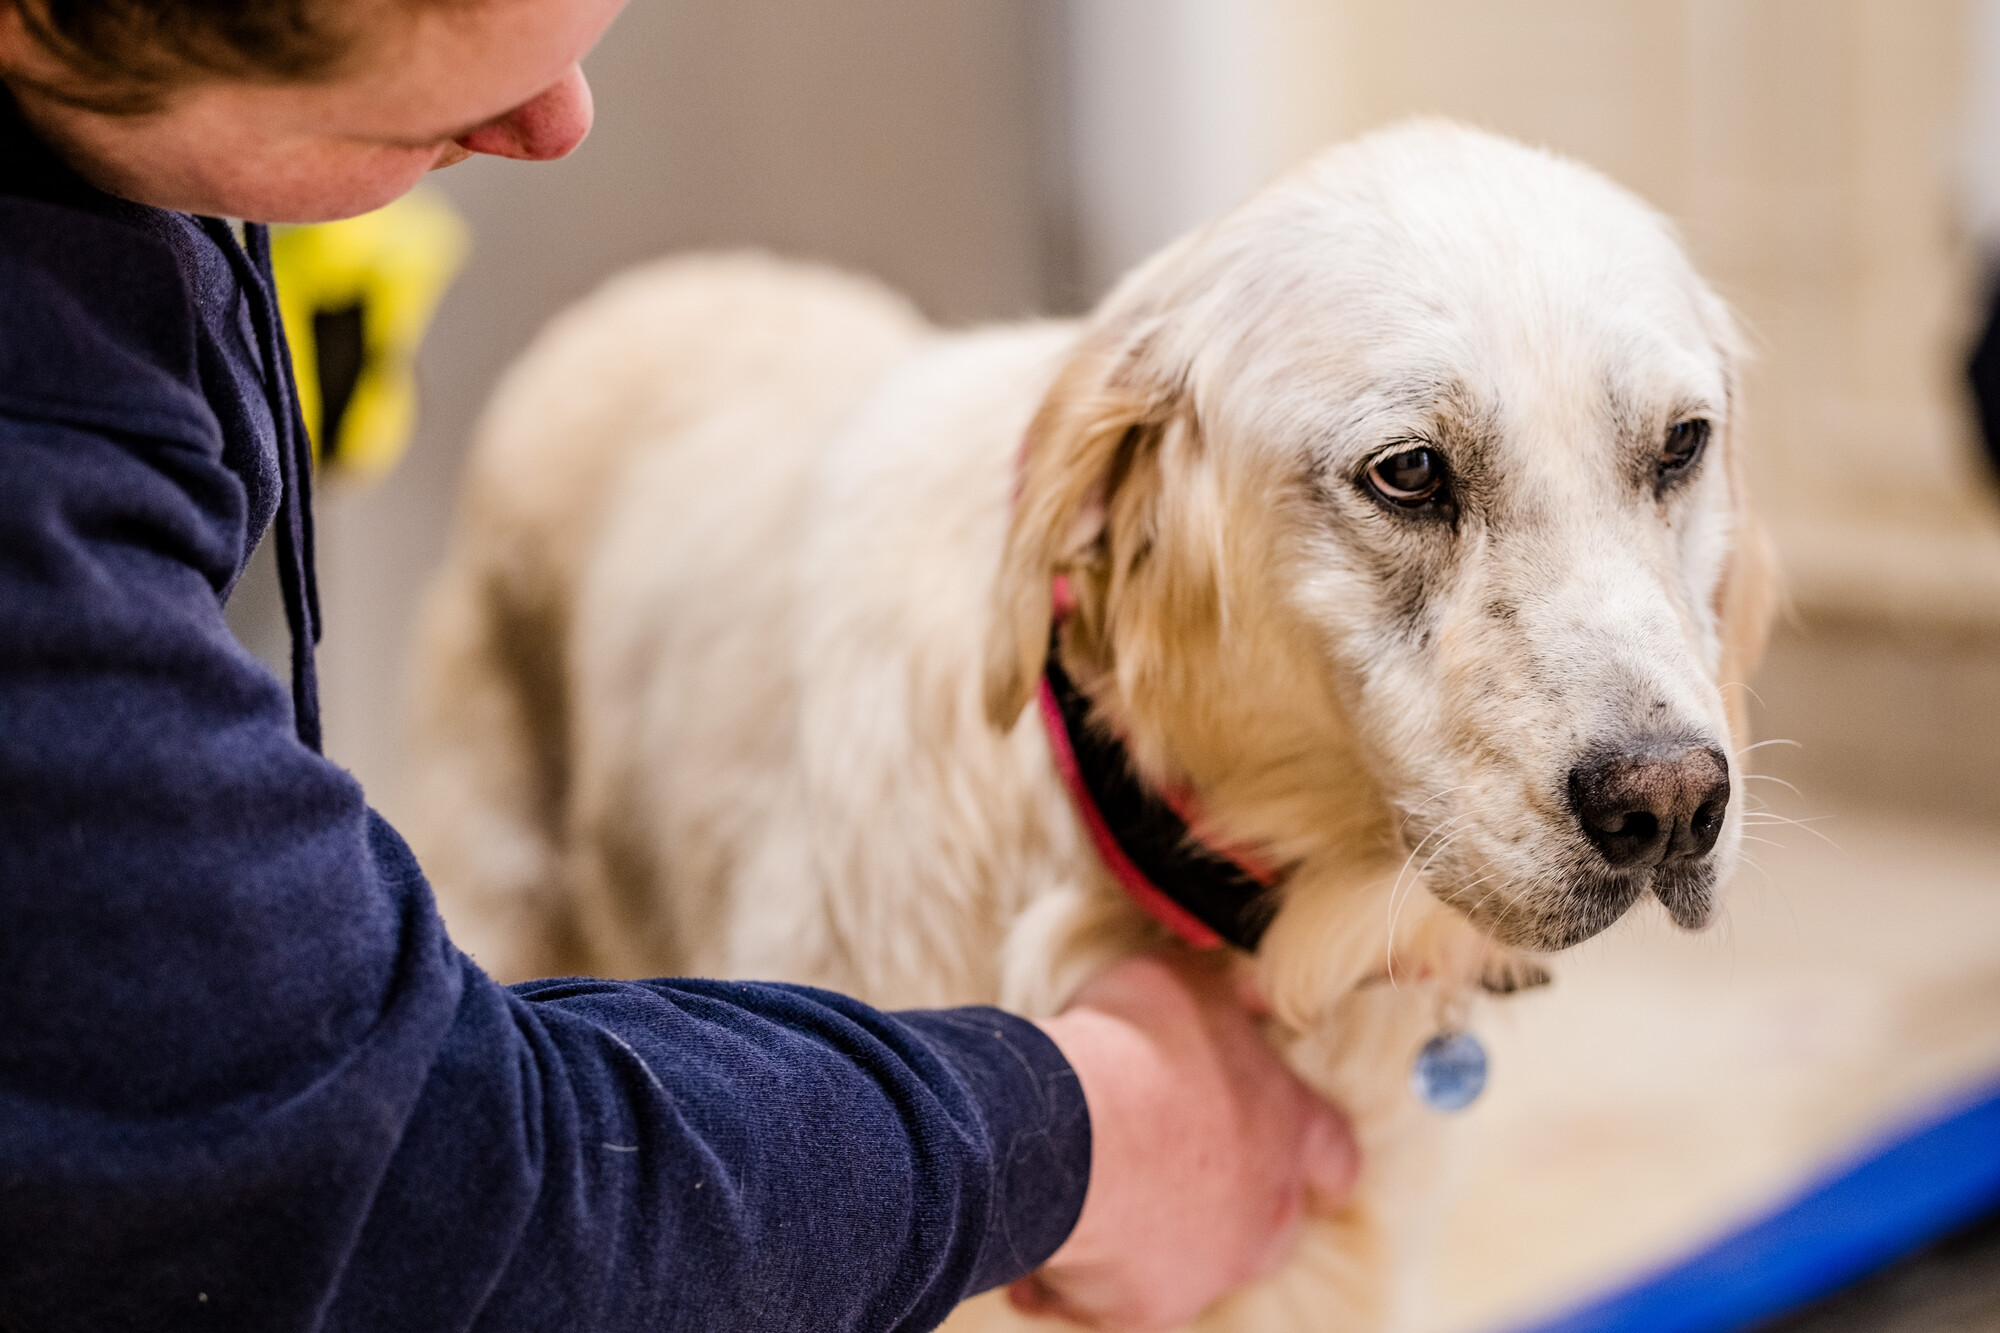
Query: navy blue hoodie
246, 1082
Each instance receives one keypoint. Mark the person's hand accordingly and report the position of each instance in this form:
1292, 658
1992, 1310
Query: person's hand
1205, 1149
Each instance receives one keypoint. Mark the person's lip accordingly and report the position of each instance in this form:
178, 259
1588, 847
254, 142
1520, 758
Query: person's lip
450, 155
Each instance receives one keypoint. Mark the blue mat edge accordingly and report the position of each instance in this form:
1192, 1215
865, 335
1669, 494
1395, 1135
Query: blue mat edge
1912, 1187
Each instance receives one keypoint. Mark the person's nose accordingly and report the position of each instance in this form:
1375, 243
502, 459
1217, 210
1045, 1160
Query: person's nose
546, 126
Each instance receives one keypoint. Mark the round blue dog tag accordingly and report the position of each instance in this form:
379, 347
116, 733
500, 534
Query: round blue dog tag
1450, 1071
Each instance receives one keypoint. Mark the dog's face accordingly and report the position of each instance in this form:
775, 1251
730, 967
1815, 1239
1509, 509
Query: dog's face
1474, 411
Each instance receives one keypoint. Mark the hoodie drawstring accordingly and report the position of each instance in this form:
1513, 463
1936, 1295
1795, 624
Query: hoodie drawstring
294, 529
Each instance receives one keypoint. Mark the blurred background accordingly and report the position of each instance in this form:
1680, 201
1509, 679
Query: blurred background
1835, 168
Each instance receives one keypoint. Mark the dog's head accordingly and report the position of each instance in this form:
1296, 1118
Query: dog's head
1422, 462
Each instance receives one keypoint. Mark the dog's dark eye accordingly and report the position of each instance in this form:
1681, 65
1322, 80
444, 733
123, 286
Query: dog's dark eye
1683, 446
1410, 478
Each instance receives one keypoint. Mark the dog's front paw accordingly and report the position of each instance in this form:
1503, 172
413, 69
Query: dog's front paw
1504, 976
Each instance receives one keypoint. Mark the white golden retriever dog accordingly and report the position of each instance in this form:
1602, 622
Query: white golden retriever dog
1392, 525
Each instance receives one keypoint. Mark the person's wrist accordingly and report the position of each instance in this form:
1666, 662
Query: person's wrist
1113, 1062
1105, 1052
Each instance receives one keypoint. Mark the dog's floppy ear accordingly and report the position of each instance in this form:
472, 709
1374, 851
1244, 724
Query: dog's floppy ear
1745, 603
1747, 598
1094, 436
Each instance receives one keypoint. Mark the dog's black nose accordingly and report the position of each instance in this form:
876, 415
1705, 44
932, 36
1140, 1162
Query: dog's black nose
1651, 803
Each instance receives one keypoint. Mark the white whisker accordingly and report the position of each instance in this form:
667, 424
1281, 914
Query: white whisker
1434, 796
1744, 686
1397, 896
1766, 777
1766, 819
1485, 897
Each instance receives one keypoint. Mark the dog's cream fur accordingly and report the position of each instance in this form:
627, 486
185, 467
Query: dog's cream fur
727, 670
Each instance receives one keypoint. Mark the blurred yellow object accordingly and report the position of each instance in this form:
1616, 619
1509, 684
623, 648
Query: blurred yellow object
356, 297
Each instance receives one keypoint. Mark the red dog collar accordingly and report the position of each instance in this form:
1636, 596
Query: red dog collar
1202, 895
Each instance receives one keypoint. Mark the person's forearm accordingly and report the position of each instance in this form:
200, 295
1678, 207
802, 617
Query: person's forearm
248, 1082
810, 1162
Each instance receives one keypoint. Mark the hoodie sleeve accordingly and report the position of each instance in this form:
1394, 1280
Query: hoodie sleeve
246, 1082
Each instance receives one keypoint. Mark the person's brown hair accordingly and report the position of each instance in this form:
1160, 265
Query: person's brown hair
127, 56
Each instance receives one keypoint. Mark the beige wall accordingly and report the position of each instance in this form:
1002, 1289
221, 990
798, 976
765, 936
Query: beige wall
900, 137
1808, 149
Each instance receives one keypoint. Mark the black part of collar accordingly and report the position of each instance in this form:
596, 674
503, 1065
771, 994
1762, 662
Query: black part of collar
1210, 887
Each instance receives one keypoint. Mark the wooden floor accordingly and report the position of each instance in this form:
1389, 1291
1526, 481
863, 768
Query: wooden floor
1668, 1085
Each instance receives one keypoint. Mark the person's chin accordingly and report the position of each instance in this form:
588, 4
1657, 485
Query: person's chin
335, 195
